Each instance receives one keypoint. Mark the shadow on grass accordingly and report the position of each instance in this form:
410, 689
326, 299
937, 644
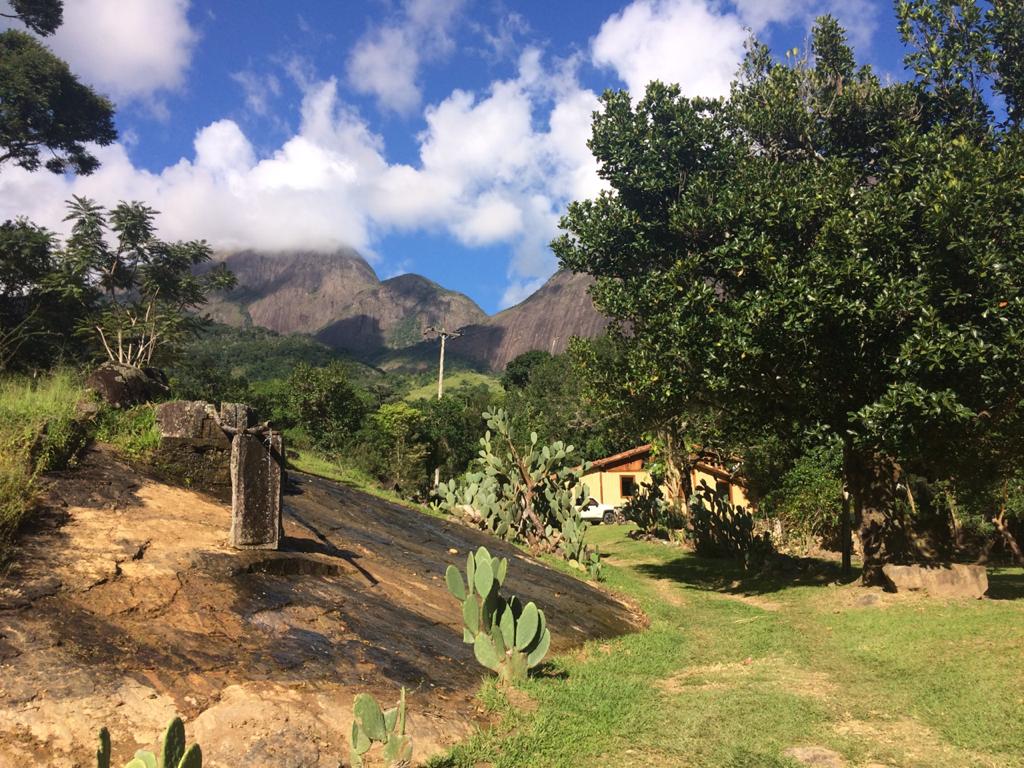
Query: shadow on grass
1006, 583
727, 576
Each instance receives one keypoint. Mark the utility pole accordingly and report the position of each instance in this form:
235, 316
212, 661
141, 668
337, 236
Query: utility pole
444, 335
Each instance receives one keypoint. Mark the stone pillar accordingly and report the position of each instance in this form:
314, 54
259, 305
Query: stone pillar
256, 481
236, 416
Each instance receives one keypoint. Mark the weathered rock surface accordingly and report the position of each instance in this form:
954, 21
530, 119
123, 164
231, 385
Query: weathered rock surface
126, 605
123, 386
940, 580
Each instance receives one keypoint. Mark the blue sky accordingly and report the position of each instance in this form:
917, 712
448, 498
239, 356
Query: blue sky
443, 137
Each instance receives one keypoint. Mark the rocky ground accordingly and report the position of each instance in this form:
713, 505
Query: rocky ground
125, 606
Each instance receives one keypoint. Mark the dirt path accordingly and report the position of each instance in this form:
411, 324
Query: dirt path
125, 606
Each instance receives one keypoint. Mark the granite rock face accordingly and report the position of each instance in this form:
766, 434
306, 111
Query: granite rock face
256, 480
939, 580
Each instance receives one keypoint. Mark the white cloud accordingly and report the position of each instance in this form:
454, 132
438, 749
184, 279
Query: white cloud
385, 63
129, 49
494, 168
259, 90
689, 42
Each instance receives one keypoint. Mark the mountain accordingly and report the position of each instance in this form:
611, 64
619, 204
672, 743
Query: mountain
545, 320
339, 299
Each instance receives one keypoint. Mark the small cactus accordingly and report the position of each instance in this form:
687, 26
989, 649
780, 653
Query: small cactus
507, 637
173, 752
387, 728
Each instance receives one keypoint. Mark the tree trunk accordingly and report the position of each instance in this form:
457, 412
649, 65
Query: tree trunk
677, 471
870, 476
1008, 538
846, 535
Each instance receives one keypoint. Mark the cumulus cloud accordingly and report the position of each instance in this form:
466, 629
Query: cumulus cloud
385, 63
496, 167
129, 50
689, 42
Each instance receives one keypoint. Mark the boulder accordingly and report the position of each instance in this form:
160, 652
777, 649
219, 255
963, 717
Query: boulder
123, 386
938, 580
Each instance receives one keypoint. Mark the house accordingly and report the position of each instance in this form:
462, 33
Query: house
616, 479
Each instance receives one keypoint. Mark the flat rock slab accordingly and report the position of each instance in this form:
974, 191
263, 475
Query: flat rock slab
126, 605
954, 580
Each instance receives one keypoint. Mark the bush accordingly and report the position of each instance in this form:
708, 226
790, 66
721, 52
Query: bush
38, 433
808, 501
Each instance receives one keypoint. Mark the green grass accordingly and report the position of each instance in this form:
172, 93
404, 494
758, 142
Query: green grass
454, 380
734, 671
38, 432
313, 463
132, 432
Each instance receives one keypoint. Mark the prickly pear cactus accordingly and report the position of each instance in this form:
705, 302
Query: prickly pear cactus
173, 752
531, 494
371, 725
507, 637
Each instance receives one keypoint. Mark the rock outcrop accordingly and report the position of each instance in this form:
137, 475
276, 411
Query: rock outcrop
938, 580
261, 652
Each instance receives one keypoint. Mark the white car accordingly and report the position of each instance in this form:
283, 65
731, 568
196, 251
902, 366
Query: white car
596, 512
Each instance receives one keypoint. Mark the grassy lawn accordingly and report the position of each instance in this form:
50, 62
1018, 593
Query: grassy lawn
733, 672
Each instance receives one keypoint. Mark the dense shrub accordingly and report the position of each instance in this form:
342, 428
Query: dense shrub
808, 500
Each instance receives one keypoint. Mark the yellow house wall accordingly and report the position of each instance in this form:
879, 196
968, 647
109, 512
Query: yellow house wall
606, 487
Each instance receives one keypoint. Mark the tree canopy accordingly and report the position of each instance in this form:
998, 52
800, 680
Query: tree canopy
821, 252
44, 108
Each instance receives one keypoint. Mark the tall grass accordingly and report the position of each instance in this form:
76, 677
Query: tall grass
38, 432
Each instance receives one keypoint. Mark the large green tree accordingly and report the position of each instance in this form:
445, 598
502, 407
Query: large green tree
822, 252
44, 109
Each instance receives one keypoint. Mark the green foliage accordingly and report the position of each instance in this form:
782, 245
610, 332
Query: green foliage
38, 433
41, 16
507, 637
387, 728
563, 397
326, 405
531, 493
393, 448
133, 431
820, 252
143, 291
35, 310
720, 529
451, 426
808, 498
46, 109
174, 752
653, 515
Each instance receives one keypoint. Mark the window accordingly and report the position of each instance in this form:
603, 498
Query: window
627, 486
